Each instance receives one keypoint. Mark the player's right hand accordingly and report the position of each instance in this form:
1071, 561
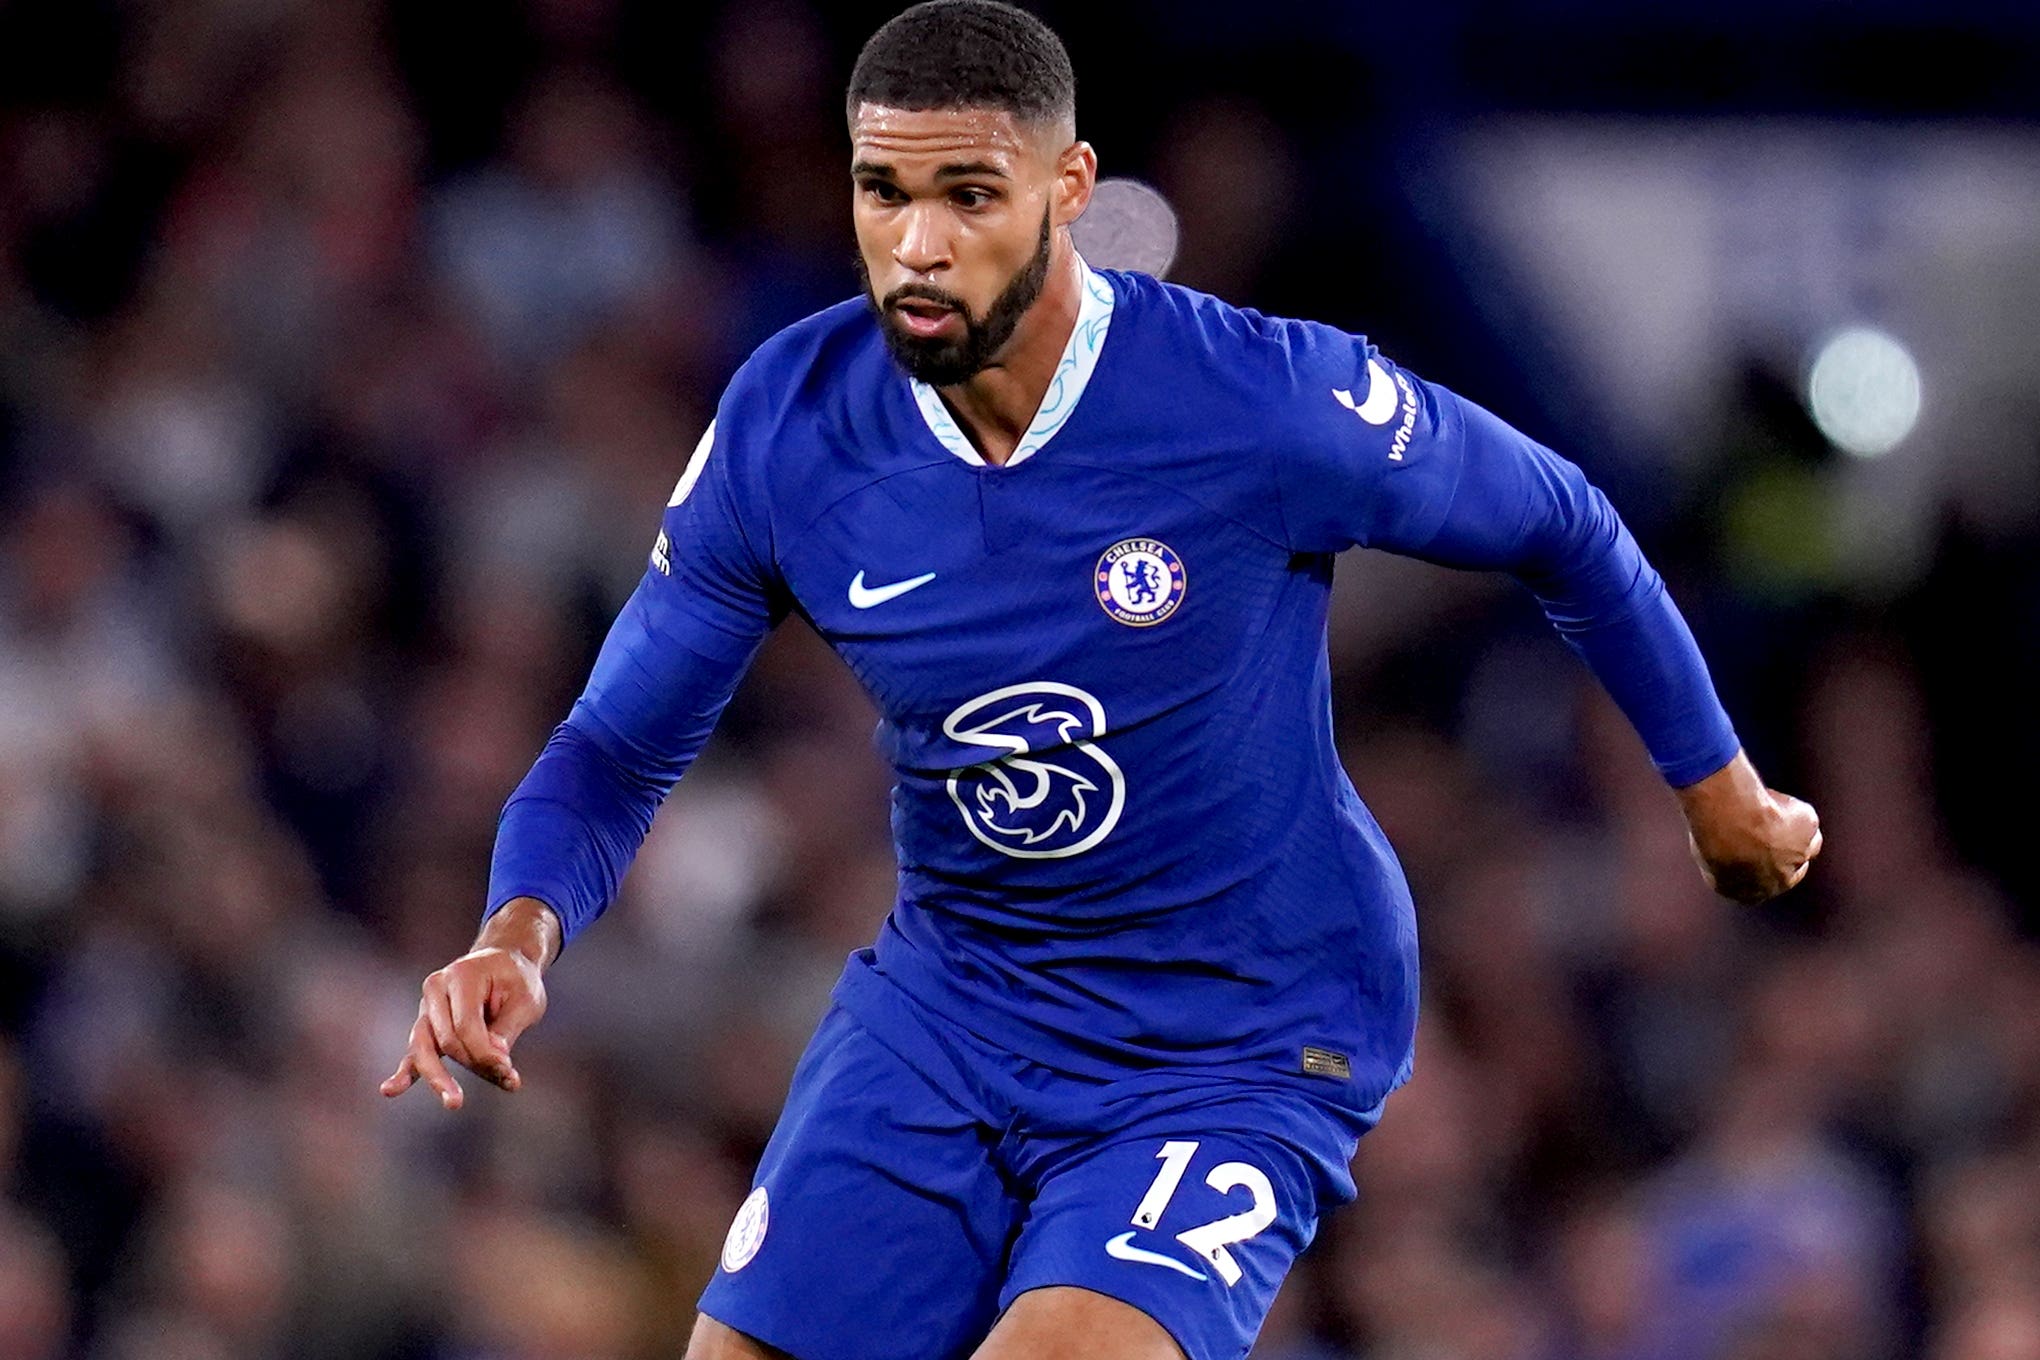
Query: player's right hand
471, 1011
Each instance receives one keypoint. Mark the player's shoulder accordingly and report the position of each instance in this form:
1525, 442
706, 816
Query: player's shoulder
816, 407
1231, 348
800, 368
1281, 384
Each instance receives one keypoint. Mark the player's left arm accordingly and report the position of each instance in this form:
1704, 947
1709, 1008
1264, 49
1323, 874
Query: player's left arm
1437, 477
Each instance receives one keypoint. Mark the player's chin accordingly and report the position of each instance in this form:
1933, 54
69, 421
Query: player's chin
937, 361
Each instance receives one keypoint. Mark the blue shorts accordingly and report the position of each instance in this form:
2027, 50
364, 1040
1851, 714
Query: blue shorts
919, 1181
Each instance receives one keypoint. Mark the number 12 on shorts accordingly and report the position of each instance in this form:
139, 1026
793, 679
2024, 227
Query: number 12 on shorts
1209, 1240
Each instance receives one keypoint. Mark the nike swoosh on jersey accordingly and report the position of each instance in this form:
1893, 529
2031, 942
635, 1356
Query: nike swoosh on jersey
865, 597
1122, 1248
1380, 402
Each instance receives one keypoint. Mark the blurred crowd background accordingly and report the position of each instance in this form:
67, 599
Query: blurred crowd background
348, 351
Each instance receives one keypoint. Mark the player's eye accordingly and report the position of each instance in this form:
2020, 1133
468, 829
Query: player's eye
884, 192
971, 198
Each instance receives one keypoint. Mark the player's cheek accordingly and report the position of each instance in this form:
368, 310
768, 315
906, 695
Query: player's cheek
997, 240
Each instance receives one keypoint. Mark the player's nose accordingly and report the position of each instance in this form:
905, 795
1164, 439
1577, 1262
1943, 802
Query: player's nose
923, 246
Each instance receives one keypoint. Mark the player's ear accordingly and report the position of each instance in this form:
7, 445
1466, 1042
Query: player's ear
1076, 177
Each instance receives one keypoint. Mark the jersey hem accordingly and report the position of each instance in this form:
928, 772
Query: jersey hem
902, 1019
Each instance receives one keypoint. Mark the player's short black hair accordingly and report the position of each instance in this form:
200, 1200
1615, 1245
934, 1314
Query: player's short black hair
966, 54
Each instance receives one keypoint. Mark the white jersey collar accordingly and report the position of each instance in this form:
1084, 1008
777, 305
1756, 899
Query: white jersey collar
1072, 376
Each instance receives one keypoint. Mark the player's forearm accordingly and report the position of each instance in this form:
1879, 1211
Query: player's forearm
1639, 647
570, 831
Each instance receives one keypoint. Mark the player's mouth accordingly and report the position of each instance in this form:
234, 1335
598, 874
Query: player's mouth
925, 320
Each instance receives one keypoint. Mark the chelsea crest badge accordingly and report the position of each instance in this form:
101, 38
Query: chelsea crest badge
1139, 581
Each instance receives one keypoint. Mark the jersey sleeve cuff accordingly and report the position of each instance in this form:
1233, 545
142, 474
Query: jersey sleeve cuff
1682, 771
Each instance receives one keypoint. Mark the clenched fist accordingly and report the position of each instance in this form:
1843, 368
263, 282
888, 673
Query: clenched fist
1752, 842
473, 1009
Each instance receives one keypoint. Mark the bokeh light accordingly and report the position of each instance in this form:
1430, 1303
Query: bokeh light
1863, 391
1129, 225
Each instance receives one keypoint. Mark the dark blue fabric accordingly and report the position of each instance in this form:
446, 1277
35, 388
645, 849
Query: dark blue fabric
920, 1180
1125, 838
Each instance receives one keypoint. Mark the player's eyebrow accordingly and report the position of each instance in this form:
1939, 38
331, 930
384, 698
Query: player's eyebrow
954, 170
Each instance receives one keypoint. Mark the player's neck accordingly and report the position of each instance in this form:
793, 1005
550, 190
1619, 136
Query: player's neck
995, 406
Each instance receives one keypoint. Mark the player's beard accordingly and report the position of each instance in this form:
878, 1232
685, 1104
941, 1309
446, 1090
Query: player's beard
940, 361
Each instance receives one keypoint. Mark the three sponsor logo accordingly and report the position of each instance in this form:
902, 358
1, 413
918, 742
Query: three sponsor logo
1053, 792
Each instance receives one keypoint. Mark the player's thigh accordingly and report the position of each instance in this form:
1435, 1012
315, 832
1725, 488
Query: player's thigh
1062, 1322
875, 1215
713, 1340
1193, 1218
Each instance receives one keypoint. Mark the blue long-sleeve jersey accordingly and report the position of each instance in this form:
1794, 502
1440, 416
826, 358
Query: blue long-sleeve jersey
1125, 839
